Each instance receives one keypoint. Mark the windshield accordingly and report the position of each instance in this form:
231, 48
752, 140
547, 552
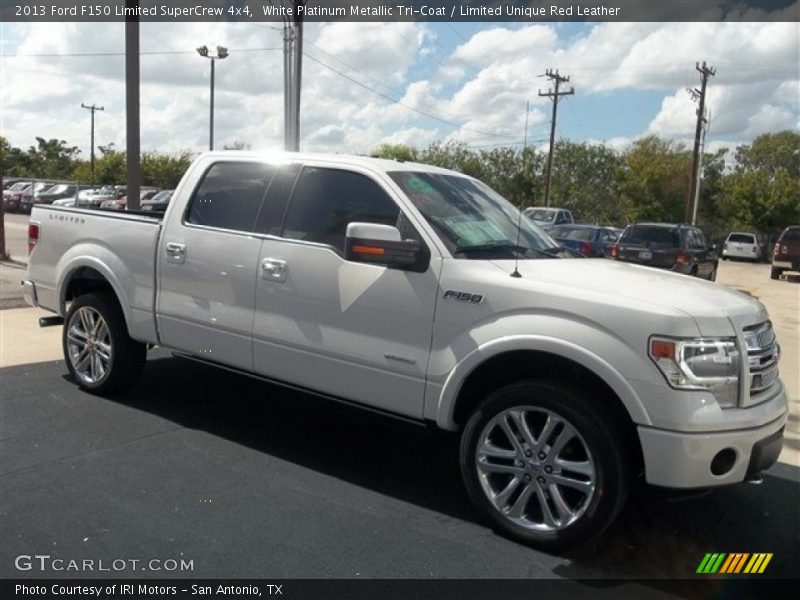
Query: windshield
544, 215
742, 238
473, 220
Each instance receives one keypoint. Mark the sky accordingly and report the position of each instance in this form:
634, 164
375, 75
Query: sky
365, 84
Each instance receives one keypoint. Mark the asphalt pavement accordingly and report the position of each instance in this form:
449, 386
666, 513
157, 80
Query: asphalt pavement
246, 479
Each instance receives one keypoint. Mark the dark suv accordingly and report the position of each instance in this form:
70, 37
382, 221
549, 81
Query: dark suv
680, 248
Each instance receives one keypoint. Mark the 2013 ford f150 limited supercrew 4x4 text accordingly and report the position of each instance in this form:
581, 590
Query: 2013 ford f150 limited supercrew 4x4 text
419, 292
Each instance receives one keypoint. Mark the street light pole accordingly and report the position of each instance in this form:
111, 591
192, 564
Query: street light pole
221, 54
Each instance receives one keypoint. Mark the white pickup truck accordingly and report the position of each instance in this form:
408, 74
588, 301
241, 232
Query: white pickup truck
420, 293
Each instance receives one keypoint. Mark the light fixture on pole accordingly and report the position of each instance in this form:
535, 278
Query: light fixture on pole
221, 54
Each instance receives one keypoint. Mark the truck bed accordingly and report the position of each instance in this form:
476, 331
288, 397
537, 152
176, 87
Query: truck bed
120, 245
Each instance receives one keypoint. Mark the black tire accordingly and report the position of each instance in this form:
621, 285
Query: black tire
601, 436
775, 273
126, 356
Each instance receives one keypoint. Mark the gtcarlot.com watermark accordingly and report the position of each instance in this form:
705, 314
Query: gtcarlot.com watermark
46, 563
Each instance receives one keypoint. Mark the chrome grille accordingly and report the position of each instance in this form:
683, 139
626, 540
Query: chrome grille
762, 359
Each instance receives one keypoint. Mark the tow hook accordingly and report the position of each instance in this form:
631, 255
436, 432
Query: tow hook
754, 479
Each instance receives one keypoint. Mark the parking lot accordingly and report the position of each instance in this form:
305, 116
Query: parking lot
245, 479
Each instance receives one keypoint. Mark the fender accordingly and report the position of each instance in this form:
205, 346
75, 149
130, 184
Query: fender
593, 362
68, 270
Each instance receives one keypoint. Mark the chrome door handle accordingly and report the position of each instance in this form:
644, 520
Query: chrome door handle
176, 252
273, 269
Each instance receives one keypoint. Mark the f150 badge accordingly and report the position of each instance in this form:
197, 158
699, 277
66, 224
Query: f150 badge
463, 296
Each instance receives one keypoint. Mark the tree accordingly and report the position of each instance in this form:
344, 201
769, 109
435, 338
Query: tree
237, 145
655, 181
163, 170
52, 159
586, 180
110, 168
395, 152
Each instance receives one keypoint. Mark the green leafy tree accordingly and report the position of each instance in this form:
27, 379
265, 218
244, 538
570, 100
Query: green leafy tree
655, 181
586, 180
395, 152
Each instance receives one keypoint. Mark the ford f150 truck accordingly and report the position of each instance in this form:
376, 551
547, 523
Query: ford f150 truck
421, 293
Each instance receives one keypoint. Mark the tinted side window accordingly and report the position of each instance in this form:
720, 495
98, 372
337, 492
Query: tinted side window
326, 200
230, 195
270, 220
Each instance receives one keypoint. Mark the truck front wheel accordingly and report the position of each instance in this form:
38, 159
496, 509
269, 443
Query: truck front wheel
545, 463
102, 358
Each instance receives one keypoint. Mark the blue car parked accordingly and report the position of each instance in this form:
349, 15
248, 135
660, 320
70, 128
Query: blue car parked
590, 240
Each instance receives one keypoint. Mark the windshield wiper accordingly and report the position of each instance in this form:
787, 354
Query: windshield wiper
501, 246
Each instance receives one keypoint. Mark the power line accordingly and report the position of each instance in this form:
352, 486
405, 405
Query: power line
399, 102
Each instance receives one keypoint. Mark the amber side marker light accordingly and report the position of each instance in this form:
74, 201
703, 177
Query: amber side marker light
373, 250
662, 349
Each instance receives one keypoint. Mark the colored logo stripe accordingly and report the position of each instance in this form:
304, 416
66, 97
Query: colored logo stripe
758, 563
721, 562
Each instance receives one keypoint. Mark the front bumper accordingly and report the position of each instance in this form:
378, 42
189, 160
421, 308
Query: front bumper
684, 460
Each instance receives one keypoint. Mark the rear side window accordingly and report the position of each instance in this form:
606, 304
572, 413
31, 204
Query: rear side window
230, 195
742, 238
326, 200
643, 234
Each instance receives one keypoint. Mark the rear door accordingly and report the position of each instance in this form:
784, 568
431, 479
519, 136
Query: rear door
353, 330
208, 259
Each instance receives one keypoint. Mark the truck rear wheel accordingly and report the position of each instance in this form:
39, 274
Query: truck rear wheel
102, 358
545, 464
776, 273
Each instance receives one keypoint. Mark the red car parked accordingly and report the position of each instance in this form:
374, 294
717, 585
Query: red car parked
787, 252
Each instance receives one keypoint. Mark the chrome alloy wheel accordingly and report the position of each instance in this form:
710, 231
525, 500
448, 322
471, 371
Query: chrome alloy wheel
535, 468
89, 345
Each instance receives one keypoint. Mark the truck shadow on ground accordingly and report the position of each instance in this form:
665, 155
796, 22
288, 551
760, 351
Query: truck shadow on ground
655, 537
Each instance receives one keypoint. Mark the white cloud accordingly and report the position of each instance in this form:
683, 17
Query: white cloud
482, 85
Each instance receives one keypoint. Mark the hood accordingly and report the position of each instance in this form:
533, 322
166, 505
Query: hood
713, 306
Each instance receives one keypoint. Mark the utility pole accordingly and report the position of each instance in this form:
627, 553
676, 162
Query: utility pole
697, 95
93, 108
132, 119
700, 176
554, 95
292, 76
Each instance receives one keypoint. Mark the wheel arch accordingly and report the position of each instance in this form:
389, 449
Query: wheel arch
521, 357
89, 275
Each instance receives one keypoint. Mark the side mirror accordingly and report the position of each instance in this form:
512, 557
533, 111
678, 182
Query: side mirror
383, 245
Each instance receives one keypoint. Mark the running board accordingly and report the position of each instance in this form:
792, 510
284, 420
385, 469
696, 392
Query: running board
304, 390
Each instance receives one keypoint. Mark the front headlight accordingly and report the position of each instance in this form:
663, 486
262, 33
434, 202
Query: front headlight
710, 364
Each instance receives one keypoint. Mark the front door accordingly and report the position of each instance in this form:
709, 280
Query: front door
361, 332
